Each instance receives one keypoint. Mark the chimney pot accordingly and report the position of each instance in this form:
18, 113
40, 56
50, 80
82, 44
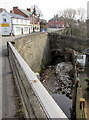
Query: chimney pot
29, 9
11, 11
15, 7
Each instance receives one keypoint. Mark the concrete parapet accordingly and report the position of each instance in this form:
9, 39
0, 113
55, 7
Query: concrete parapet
37, 101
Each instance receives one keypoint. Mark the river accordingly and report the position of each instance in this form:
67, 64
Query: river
64, 103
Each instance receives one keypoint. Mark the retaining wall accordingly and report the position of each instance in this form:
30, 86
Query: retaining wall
35, 50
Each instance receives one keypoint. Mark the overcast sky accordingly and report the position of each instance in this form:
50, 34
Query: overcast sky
48, 7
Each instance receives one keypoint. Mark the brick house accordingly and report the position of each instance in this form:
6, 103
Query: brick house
34, 19
56, 22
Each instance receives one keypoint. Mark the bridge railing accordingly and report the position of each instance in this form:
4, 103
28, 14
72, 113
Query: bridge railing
36, 100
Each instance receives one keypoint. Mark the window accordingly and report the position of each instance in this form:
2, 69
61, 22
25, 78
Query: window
59, 25
5, 29
3, 14
25, 21
25, 29
17, 20
4, 19
18, 29
31, 28
21, 21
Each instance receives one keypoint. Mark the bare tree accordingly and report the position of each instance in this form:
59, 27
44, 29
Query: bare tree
69, 14
37, 10
73, 19
81, 14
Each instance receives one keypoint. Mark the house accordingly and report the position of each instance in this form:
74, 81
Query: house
34, 19
43, 25
5, 22
20, 24
13, 24
56, 22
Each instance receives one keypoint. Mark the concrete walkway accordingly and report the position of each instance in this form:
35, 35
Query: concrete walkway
7, 97
0, 77
8, 100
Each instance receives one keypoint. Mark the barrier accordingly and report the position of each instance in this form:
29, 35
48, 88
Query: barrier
38, 103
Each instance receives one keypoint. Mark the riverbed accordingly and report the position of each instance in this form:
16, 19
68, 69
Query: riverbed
58, 89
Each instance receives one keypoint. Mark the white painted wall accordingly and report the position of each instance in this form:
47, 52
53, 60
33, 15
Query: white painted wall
16, 26
21, 26
4, 29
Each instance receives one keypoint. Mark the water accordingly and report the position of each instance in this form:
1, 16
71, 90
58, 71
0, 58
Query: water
64, 103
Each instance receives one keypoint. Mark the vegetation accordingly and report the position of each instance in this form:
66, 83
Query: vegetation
75, 21
87, 80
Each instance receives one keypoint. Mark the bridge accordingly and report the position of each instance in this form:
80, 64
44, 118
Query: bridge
36, 100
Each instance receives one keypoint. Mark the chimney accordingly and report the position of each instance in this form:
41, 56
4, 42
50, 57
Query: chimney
11, 11
57, 15
29, 9
14, 8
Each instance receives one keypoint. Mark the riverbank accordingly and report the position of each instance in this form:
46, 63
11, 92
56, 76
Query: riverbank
85, 92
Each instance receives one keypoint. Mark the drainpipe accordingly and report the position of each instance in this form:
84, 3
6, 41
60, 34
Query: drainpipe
12, 33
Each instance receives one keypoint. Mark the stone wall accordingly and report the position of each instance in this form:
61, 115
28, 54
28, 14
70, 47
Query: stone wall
58, 41
35, 50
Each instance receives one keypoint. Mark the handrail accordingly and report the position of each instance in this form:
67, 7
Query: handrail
50, 107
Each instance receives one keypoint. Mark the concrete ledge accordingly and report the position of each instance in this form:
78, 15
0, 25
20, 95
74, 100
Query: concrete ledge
37, 101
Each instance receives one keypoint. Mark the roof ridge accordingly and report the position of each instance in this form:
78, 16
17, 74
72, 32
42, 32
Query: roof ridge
17, 16
25, 12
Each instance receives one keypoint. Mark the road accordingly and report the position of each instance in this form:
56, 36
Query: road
7, 98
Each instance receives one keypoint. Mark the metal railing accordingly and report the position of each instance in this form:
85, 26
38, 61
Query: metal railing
37, 101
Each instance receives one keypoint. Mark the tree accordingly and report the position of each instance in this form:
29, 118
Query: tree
69, 14
69, 17
36, 11
74, 19
81, 14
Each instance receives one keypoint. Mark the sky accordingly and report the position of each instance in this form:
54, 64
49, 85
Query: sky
48, 7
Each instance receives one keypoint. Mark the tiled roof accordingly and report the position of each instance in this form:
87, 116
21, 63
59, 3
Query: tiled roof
26, 12
1, 9
57, 18
17, 16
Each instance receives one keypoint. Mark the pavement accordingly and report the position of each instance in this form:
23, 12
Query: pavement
0, 78
7, 99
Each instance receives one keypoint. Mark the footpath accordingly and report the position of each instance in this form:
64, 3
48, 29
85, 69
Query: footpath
8, 107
